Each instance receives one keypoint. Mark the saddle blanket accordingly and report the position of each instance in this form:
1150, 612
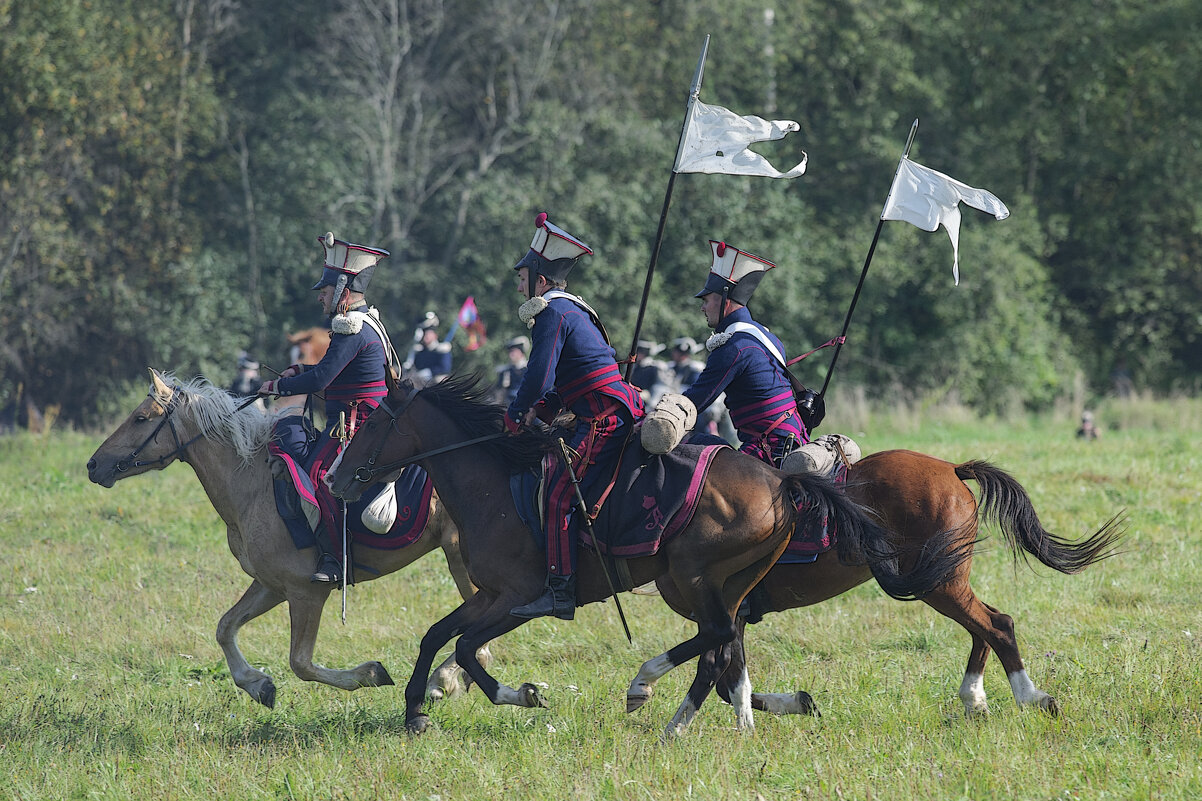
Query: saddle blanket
652, 499
413, 491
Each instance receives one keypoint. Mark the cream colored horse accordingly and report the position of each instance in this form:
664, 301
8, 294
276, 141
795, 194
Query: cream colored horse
200, 424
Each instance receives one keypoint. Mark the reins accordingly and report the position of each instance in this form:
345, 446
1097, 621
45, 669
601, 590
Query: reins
365, 474
181, 448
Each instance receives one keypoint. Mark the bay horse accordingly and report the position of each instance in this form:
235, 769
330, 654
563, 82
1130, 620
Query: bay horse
741, 524
920, 498
199, 423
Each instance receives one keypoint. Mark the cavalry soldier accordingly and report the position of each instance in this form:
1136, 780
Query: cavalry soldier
351, 374
509, 375
431, 357
685, 369
572, 366
746, 360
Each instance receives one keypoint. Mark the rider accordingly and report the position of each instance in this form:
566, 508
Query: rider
431, 358
746, 360
573, 366
351, 375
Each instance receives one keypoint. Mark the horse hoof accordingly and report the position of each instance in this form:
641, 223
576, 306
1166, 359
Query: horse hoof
263, 692
805, 704
531, 697
417, 725
1048, 704
634, 701
377, 675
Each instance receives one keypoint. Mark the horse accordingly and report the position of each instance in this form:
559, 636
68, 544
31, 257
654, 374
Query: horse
920, 498
743, 519
199, 423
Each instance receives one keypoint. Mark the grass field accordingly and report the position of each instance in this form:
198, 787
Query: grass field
112, 686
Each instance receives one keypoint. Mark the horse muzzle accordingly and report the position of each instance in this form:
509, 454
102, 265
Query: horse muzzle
348, 490
105, 477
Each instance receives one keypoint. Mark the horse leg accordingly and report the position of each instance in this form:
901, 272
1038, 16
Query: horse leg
710, 665
449, 680
304, 610
493, 624
735, 679
434, 639
990, 628
254, 602
712, 635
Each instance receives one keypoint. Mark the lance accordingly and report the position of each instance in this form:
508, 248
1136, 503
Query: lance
867, 261
694, 91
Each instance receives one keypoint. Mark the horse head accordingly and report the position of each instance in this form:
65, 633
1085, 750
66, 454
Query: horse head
384, 440
138, 444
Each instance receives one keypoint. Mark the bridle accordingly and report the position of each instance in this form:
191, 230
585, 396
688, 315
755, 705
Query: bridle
177, 393
366, 473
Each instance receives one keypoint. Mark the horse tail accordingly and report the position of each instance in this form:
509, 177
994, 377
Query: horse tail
861, 540
1006, 503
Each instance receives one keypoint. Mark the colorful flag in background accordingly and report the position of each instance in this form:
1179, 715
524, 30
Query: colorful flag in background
927, 199
716, 140
469, 320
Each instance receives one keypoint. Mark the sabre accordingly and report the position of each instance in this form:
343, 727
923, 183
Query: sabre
346, 561
582, 507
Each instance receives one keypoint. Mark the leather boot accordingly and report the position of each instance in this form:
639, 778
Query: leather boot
558, 599
328, 571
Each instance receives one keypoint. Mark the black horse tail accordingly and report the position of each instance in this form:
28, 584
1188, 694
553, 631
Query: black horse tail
861, 540
1006, 503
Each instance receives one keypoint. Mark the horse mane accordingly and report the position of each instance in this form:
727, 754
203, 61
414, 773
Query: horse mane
466, 400
216, 413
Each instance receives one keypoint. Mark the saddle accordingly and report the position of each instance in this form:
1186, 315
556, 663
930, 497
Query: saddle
652, 498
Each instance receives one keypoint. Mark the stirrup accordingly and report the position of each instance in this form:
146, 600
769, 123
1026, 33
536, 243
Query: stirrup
328, 570
558, 600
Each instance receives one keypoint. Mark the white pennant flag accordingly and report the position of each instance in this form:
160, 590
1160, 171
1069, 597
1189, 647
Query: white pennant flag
928, 199
716, 139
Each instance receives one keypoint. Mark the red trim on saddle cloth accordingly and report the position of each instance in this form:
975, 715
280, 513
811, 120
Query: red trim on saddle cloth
644, 529
295, 471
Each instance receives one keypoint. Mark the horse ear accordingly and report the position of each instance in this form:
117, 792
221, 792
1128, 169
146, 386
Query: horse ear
390, 381
158, 387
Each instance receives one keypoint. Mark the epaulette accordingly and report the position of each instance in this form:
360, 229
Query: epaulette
531, 309
717, 340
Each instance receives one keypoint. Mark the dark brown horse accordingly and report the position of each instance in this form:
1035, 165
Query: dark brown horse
920, 498
200, 424
740, 526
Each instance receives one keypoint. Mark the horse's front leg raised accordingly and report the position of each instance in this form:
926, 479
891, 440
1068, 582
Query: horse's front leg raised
495, 622
254, 602
305, 612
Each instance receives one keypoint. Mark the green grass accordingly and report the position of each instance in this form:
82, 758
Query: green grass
112, 686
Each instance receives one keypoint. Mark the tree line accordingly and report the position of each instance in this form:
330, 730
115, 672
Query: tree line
167, 167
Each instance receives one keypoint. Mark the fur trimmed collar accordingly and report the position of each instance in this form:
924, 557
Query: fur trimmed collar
349, 323
352, 321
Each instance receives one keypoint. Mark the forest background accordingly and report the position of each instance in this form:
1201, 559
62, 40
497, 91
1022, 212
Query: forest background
167, 165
